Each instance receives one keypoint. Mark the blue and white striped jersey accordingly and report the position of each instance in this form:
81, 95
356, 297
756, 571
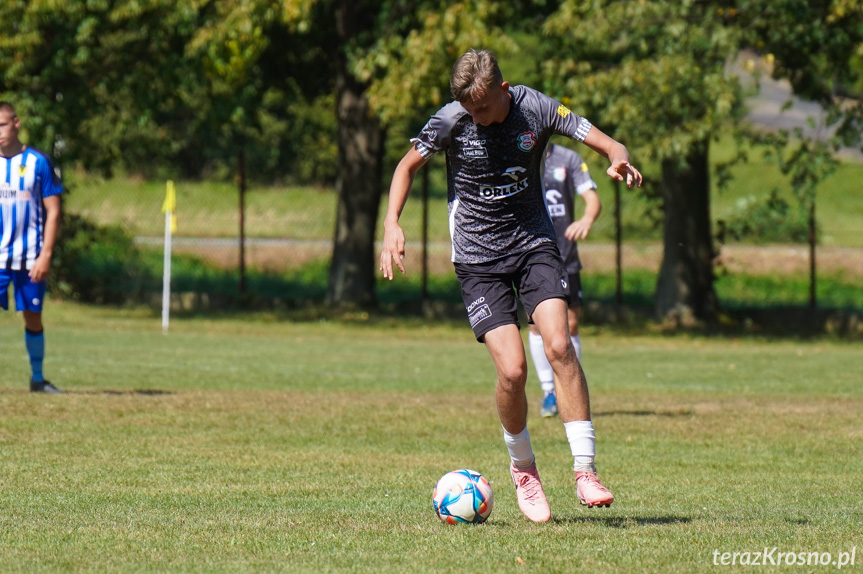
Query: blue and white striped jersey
25, 179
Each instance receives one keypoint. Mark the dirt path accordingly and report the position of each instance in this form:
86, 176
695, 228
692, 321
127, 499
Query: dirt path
278, 255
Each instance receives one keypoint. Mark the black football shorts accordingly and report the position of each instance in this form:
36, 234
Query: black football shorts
491, 290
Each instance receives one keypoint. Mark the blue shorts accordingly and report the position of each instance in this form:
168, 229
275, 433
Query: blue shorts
28, 295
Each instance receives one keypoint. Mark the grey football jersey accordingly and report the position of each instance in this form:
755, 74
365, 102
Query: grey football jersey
565, 176
494, 173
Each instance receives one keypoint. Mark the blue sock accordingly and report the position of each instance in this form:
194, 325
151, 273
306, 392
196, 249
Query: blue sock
36, 349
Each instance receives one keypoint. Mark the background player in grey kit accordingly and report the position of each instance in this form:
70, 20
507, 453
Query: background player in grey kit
494, 138
565, 177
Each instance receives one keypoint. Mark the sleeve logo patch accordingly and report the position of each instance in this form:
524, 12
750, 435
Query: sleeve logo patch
563, 111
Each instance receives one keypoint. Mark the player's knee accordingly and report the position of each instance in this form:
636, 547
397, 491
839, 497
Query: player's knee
33, 321
512, 377
559, 350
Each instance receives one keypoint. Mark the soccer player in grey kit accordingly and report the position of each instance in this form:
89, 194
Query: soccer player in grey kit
494, 136
566, 175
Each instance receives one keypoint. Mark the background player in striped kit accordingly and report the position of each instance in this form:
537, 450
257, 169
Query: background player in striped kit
29, 219
494, 138
565, 177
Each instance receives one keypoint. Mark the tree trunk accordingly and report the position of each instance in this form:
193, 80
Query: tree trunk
684, 291
360, 142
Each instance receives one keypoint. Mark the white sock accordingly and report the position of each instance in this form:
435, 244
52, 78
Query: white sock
540, 361
576, 342
582, 443
519, 448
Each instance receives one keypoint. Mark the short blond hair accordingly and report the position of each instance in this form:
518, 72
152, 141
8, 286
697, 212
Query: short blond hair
8, 108
473, 75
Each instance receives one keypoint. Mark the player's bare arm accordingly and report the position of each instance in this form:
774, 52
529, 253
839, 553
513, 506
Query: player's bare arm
42, 265
579, 228
620, 168
394, 236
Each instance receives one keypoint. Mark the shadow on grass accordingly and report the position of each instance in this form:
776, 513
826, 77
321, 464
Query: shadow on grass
645, 413
623, 521
135, 392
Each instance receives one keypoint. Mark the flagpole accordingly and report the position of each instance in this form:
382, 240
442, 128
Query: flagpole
168, 208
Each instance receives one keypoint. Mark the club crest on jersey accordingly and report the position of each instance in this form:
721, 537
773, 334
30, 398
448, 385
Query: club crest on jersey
526, 141
559, 174
22, 170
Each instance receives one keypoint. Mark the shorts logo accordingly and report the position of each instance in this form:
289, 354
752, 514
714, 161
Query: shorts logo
479, 314
478, 311
563, 283
36, 301
563, 111
526, 141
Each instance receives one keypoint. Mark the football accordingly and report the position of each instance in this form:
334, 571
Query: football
463, 496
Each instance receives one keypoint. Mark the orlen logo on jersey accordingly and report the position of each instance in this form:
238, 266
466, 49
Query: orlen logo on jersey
502, 191
552, 200
526, 141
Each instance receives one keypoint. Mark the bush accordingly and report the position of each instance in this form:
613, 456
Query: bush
95, 264
759, 221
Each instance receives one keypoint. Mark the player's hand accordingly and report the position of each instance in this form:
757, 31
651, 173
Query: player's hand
578, 230
393, 250
622, 170
39, 271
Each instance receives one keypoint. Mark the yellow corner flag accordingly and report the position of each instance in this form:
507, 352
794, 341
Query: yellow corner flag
170, 205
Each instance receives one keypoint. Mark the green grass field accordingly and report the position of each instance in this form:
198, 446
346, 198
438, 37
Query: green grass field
255, 444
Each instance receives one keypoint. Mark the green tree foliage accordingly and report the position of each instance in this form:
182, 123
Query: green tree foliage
658, 76
655, 75
175, 85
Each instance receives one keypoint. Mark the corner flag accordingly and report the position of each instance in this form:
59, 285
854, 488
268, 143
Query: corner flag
170, 204
168, 208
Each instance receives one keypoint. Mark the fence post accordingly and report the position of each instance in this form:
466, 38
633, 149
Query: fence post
241, 167
425, 236
813, 301
618, 239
